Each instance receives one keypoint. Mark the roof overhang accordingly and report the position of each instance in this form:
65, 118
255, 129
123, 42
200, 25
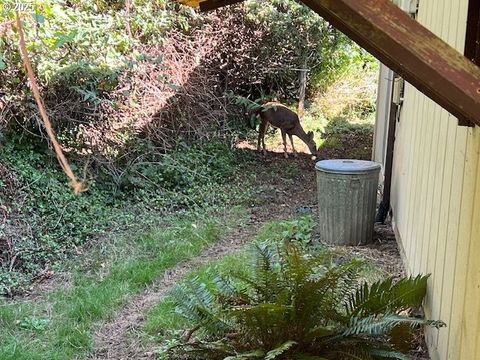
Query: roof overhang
400, 42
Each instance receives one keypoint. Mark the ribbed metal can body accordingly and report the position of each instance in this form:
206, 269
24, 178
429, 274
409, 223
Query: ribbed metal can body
347, 195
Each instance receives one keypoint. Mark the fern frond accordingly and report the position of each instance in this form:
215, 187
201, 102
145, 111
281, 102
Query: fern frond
352, 353
382, 324
279, 350
386, 296
308, 357
256, 354
321, 332
389, 354
194, 302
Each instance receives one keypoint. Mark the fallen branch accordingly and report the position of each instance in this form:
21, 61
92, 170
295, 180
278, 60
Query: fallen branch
78, 186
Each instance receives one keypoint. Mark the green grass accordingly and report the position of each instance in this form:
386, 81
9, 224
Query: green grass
162, 321
163, 324
59, 325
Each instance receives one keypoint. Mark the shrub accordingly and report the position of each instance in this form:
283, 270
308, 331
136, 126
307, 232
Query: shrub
341, 126
343, 139
292, 305
352, 95
43, 221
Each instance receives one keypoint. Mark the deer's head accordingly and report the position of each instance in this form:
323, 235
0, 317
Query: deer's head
311, 143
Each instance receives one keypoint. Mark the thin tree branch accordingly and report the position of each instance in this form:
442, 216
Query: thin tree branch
78, 186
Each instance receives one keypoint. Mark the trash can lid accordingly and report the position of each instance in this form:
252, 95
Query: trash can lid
347, 166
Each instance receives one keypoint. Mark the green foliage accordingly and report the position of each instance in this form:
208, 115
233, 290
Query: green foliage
387, 296
341, 126
181, 169
48, 222
79, 50
294, 304
299, 38
76, 35
164, 321
343, 139
299, 229
59, 325
84, 59
34, 324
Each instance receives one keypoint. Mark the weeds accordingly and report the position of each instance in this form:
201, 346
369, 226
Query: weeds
46, 222
59, 326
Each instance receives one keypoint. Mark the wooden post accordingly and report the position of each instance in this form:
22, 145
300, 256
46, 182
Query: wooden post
302, 90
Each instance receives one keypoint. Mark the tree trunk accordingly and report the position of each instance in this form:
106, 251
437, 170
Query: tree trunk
303, 87
127, 17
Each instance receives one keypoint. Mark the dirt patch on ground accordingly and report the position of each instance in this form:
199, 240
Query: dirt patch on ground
382, 252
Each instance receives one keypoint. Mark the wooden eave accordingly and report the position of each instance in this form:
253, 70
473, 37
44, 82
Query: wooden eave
400, 42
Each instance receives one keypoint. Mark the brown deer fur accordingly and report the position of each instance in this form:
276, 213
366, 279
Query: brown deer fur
280, 116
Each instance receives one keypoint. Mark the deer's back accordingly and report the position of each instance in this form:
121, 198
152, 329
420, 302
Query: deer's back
279, 115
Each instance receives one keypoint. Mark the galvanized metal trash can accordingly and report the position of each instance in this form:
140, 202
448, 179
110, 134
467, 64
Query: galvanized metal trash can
347, 196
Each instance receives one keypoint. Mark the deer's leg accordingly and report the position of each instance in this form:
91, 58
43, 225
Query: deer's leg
284, 137
293, 146
261, 135
263, 139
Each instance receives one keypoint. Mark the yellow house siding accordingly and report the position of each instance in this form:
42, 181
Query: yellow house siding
436, 201
465, 241
470, 326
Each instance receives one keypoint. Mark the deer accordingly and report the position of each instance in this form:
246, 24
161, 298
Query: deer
281, 117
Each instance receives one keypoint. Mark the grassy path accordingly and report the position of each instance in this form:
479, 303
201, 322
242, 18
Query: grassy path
58, 325
123, 336
98, 310
119, 338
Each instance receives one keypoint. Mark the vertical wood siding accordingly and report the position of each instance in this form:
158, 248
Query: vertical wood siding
436, 201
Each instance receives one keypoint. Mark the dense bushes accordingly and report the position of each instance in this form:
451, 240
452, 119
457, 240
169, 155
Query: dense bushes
106, 79
129, 91
43, 221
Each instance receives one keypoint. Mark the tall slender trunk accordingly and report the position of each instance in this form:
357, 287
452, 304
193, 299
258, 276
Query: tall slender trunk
128, 4
303, 88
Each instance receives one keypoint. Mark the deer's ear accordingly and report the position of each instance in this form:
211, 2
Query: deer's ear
310, 134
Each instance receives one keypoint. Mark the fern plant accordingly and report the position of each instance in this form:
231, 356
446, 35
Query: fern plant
294, 305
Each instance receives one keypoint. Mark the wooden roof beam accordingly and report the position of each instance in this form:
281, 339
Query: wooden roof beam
400, 42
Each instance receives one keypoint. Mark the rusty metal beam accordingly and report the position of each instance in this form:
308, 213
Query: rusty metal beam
411, 50
215, 4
